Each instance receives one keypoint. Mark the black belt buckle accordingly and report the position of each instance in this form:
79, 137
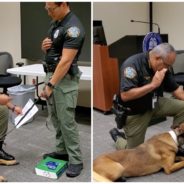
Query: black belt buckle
50, 68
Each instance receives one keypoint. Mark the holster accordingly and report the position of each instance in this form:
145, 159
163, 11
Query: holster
74, 69
120, 111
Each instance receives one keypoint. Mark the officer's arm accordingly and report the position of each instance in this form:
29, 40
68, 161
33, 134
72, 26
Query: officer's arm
63, 66
179, 93
137, 92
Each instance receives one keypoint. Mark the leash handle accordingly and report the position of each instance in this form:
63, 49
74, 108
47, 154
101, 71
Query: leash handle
21, 118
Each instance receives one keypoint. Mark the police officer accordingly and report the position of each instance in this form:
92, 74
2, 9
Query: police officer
144, 76
62, 47
5, 104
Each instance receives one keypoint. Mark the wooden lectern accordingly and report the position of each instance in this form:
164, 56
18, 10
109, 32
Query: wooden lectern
105, 78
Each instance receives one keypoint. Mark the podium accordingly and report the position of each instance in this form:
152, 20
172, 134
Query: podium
105, 78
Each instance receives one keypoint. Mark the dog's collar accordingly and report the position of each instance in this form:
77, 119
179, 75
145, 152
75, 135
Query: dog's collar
173, 135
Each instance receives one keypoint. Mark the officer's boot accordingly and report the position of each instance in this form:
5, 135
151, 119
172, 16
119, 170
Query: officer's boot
115, 134
57, 155
5, 158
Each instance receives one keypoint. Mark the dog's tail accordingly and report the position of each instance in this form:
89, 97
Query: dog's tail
100, 178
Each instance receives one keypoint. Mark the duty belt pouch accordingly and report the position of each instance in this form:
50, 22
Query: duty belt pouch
45, 68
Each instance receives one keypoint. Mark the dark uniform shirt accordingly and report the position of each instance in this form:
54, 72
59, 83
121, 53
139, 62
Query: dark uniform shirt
68, 33
136, 72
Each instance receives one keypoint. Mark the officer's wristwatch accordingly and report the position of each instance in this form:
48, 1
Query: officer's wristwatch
50, 85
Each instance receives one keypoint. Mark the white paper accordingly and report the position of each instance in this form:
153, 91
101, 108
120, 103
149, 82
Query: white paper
30, 114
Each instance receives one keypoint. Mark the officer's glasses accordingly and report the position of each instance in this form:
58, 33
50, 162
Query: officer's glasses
51, 9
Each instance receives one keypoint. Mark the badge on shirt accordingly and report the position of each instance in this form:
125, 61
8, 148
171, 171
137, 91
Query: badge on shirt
73, 32
56, 33
130, 72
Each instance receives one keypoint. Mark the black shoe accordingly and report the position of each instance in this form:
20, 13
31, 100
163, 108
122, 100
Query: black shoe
7, 159
74, 170
180, 152
57, 155
121, 179
115, 134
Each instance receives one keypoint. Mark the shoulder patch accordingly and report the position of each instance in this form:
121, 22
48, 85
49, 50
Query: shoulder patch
130, 72
73, 32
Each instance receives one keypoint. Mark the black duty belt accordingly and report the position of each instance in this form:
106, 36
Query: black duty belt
49, 68
73, 70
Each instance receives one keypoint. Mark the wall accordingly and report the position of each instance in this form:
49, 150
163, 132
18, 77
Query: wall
170, 16
10, 40
116, 18
10, 29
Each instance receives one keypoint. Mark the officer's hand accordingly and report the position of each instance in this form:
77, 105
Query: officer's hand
158, 77
4, 99
46, 93
18, 110
46, 44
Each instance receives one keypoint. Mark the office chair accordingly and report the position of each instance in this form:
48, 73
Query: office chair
7, 80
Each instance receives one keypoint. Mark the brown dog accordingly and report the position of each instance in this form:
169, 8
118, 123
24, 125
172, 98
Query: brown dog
156, 153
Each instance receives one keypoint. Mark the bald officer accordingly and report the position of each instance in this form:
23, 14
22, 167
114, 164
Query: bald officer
144, 76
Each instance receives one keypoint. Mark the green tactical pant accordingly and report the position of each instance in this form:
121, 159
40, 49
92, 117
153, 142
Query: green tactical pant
136, 126
61, 108
3, 121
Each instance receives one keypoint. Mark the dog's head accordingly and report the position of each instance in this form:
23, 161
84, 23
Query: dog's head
179, 129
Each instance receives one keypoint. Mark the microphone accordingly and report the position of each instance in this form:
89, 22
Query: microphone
144, 22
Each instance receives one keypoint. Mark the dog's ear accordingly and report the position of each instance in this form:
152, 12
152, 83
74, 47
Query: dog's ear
181, 140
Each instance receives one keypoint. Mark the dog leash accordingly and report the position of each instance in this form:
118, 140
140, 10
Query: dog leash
22, 118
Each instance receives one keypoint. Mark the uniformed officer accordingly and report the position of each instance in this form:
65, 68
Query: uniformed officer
5, 104
144, 76
62, 47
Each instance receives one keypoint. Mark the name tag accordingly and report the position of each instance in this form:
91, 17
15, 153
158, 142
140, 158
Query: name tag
154, 101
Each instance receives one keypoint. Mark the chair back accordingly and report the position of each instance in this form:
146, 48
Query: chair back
6, 61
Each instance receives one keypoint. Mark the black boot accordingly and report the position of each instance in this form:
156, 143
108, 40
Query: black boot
115, 134
5, 158
57, 155
74, 170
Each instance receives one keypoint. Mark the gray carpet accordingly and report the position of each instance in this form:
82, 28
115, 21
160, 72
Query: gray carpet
31, 141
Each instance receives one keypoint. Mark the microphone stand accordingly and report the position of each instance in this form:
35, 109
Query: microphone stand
144, 22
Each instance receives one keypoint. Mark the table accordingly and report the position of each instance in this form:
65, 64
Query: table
37, 70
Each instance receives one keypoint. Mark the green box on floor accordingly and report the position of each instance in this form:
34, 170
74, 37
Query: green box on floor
51, 168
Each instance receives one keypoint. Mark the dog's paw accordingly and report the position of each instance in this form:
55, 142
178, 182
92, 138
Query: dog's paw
2, 179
